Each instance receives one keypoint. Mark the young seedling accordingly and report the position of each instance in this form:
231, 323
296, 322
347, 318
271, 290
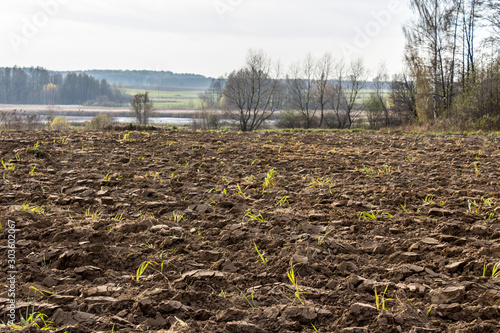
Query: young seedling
10, 167
404, 208
35, 210
264, 260
429, 311
319, 181
250, 178
254, 217
268, 181
32, 172
385, 170
322, 238
181, 322
177, 217
283, 201
240, 191
473, 206
367, 216
476, 170
380, 299
294, 281
251, 303
224, 294
374, 215
368, 170
93, 215
496, 270
142, 269
429, 199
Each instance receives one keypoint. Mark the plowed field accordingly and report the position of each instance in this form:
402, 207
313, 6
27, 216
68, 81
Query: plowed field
254, 232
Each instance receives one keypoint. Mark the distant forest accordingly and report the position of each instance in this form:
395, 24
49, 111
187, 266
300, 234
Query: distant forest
37, 85
153, 79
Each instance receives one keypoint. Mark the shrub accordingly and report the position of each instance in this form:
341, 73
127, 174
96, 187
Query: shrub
206, 120
100, 122
290, 119
59, 124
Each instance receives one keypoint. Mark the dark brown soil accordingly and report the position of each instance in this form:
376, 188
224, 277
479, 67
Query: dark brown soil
416, 216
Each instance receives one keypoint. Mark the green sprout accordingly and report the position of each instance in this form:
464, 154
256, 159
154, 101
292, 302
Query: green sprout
251, 303
374, 215
142, 269
32, 172
224, 294
367, 215
177, 217
404, 208
473, 206
385, 170
294, 280
429, 311
380, 299
264, 260
476, 170
32, 209
368, 170
496, 270
254, 217
93, 215
240, 192
181, 322
429, 199
250, 178
268, 181
322, 238
10, 167
283, 201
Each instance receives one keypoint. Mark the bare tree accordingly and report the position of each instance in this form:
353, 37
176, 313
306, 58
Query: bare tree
301, 92
141, 108
344, 92
322, 76
435, 32
254, 91
209, 116
493, 16
336, 95
403, 95
381, 84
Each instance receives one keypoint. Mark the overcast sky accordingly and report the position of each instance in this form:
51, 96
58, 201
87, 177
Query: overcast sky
209, 37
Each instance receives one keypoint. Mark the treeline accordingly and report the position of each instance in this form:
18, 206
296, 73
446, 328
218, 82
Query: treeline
451, 79
37, 85
144, 78
452, 58
314, 92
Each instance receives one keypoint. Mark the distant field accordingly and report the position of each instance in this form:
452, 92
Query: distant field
170, 99
179, 99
